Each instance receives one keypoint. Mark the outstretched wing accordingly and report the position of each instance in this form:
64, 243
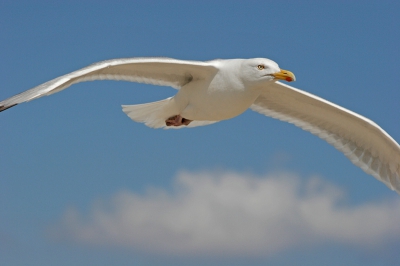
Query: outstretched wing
156, 71
360, 139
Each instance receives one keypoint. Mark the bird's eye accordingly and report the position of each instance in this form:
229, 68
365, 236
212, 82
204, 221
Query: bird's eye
260, 67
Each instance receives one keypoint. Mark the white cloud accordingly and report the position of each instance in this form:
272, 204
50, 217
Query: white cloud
232, 214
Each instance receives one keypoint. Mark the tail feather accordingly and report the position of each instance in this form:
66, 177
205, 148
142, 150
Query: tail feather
151, 114
154, 114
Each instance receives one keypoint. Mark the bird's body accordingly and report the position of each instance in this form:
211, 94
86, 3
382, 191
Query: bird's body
220, 97
222, 89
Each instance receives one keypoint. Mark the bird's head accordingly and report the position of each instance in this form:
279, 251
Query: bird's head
260, 70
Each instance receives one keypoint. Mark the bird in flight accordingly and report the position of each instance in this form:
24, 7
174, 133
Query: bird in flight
217, 90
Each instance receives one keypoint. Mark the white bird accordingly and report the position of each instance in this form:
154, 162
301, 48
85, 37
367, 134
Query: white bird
222, 89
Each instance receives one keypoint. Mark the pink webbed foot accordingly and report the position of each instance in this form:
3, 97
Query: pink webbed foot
177, 121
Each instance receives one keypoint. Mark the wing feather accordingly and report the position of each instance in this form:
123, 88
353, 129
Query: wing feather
360, 139
156, 71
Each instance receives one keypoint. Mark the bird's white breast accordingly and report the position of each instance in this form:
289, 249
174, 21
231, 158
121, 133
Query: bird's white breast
222, 97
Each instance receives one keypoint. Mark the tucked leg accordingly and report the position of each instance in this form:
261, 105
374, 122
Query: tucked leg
177, 120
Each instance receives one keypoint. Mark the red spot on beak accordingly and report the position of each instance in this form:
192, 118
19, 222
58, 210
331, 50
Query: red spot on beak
289, 79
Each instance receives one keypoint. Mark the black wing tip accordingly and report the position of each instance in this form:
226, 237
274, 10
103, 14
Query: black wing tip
4, 107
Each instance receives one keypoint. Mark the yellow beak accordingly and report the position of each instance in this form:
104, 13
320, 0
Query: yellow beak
285, 75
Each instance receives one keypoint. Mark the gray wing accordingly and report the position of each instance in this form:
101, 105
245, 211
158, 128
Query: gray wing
156, 71
360, 139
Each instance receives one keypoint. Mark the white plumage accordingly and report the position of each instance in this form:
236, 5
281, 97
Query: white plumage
222, 89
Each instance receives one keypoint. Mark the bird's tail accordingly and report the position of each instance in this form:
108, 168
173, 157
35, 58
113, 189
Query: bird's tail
152, 114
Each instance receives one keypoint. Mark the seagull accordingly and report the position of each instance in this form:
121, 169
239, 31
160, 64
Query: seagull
217, 90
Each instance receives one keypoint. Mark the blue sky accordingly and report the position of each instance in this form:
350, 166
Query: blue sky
81, 184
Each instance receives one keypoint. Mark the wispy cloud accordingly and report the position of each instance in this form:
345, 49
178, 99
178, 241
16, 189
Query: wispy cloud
232, 214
